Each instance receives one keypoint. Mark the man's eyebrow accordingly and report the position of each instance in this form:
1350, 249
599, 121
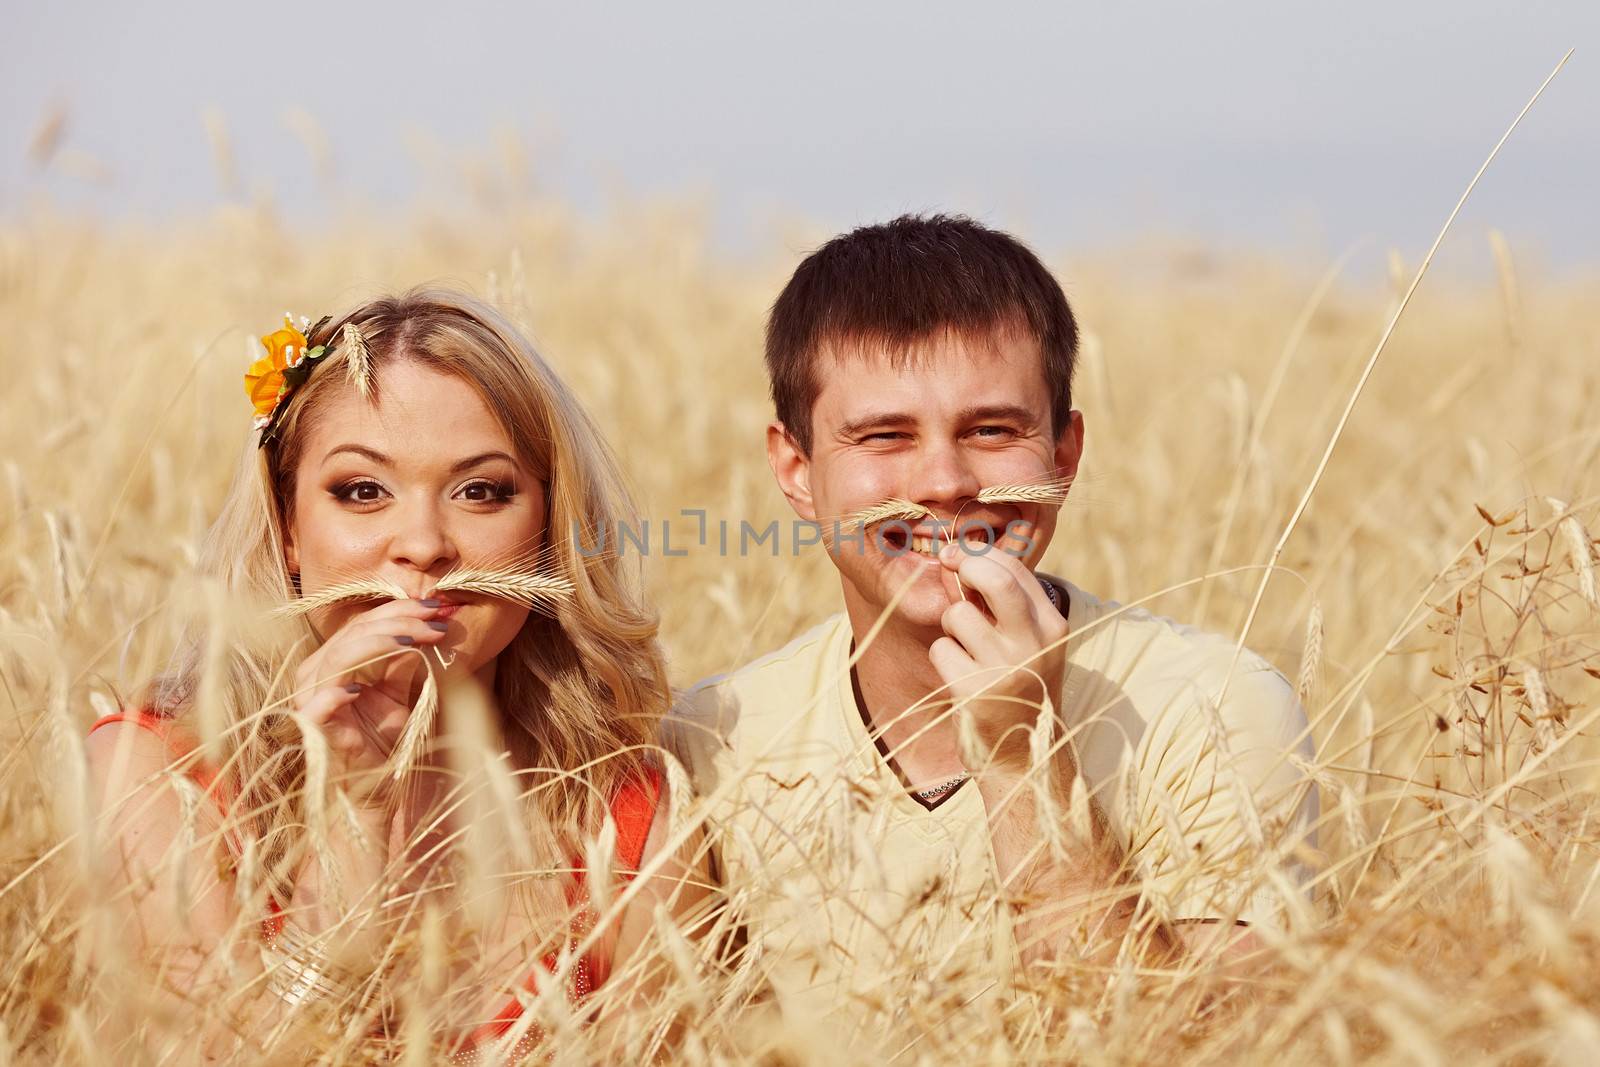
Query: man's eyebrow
875, 419
998, 413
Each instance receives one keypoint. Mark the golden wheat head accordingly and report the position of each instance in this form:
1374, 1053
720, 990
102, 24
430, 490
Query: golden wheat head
893, 508
344, 592
1050, 492
359, 360
531, 589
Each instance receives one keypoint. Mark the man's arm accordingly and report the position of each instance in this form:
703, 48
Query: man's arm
1065, 874
1072, 898
1219, 765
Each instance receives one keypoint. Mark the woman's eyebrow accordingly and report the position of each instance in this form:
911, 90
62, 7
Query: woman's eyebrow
360, 450
482, 457
456, 468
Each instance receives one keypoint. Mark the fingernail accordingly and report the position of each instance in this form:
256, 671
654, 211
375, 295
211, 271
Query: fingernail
352, 687
948, 551
404, 639
439, 624
431, 602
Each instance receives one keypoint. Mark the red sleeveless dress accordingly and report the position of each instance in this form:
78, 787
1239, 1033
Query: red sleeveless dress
633, 809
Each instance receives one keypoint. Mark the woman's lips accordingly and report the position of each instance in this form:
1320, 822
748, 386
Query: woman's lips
448, 609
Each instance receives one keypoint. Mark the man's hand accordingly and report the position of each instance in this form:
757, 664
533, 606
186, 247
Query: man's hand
1002, 656
1004, 649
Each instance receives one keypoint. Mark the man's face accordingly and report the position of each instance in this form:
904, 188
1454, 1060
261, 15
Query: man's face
962, 414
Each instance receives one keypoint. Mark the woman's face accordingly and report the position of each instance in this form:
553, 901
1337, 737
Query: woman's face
408, 486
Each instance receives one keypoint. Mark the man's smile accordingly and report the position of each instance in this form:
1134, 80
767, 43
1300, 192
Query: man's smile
928, 538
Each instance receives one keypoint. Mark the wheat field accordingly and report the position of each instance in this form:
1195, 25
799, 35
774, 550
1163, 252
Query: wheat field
1436, 605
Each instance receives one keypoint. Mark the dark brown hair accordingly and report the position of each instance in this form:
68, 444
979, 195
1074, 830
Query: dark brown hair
900, 282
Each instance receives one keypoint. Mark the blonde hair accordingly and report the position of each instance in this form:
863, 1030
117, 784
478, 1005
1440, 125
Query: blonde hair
580, 693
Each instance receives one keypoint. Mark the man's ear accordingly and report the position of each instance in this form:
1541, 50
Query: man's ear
792, 468
1069, 447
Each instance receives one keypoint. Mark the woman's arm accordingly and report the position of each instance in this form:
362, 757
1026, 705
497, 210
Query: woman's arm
681, 887
176, 926
161, 839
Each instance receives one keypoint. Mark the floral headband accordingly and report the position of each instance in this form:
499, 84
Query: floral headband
271, 380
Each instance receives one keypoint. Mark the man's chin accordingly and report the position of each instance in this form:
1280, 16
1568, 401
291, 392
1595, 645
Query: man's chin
913, 597
926, 622
922, 606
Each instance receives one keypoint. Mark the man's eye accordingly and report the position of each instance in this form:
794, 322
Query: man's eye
886, 435
993, 431
360, 492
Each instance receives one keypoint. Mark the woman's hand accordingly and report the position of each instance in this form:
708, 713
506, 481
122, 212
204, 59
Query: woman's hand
357, 688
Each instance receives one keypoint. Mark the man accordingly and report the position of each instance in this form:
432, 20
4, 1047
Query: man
973, 768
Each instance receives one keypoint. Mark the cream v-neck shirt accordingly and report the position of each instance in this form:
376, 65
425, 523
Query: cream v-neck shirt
851, 888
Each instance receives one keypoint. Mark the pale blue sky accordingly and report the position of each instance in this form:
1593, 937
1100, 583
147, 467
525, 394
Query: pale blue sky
1283, 124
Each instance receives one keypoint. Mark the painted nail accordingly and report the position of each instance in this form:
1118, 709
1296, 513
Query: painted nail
439, 624
431, 602
352, 687
404, 639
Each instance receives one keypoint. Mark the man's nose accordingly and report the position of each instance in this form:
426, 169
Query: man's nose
423, 540
943, 478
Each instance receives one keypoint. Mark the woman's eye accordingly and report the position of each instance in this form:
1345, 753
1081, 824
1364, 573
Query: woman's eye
487, 492
359, 492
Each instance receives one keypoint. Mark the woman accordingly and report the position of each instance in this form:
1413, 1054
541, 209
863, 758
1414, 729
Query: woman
410, 440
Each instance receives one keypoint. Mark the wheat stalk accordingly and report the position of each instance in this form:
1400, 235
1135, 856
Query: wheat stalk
1049, 491
419, 724
1305, 688
893, 508
1544, 720
528, 588
359, 360
531, 589
1577, 540
357, 589
1361, 384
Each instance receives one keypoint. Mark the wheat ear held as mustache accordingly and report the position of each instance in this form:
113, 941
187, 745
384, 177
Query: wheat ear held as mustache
1048, 492
540, 592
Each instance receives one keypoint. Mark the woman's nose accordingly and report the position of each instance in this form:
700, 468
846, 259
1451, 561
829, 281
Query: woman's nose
423, 541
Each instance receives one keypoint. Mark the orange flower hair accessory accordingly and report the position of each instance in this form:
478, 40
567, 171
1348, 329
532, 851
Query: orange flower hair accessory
273, 378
